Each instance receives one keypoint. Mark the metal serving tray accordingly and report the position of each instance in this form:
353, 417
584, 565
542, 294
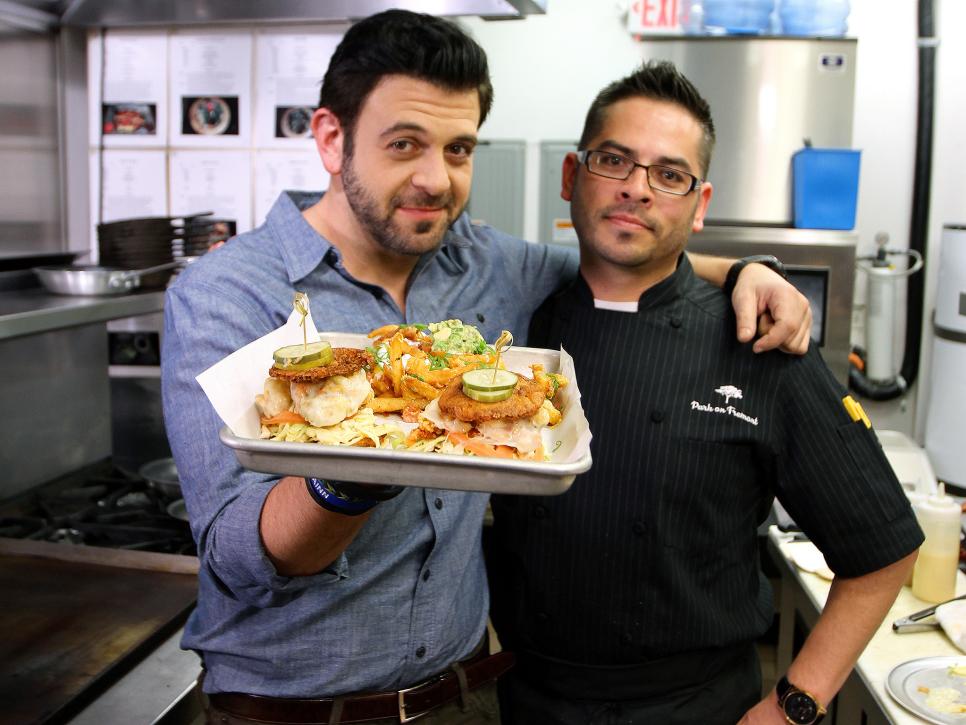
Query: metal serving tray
427, 470
904, 681
405, 468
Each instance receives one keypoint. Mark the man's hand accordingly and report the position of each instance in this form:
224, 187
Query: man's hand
788, 322
765, 712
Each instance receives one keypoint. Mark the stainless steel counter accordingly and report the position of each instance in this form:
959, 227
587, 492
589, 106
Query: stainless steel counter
159, 689
25, 312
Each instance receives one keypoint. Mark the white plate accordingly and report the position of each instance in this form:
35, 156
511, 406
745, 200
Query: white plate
904, 681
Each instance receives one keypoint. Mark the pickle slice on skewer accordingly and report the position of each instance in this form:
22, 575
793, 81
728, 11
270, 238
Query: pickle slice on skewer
303, 357
489, 386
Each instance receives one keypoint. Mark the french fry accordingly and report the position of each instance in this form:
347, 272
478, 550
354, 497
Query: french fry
384, 331
420, 389
387, 404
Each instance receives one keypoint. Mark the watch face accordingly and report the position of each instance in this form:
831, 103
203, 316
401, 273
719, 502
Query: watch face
800, 708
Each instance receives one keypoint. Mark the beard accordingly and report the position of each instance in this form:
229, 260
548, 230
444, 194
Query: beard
423, 237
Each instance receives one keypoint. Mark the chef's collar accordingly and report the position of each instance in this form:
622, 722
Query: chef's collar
303, 249
664, 292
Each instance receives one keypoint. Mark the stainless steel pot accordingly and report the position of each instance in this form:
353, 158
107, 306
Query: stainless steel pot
163, 476
94, 280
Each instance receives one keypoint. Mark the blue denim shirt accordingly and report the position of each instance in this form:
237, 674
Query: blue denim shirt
409, 595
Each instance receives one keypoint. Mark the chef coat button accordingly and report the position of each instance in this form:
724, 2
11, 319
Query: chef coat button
657, 416
426, 575
675, 322
438, 503
540, 512
543, 617
421, 652
639, 528
626, 638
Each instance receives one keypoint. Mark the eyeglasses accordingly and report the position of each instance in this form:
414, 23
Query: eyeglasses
662, 178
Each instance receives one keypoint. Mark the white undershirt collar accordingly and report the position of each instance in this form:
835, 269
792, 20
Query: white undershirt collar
615, 306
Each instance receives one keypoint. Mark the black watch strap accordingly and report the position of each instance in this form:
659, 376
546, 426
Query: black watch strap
798, 706
769, 260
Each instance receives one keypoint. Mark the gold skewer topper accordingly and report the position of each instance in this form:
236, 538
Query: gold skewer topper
503, 342
301, 305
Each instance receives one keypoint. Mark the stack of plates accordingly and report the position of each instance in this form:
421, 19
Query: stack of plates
149, 241
200, 234
138, 244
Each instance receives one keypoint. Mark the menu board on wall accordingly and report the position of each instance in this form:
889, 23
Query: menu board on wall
215, 181
278, 171
133, 184
289, 68
126, 184
132, 109
211, 89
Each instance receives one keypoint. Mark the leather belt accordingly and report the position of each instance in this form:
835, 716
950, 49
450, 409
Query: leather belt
406, 704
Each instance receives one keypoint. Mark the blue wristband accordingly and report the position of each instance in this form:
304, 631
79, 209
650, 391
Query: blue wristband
329, 498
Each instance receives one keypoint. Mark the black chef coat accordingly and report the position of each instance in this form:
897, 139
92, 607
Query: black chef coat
653, 552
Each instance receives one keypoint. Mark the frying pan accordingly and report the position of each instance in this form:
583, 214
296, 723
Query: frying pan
94, 280
162, 475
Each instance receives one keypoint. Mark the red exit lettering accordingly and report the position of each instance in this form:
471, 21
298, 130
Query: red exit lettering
656, 13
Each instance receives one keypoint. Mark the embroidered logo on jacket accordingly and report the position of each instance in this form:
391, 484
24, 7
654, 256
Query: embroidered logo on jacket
728, 392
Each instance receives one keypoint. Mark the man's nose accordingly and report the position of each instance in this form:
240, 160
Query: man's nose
432, 175
637, 185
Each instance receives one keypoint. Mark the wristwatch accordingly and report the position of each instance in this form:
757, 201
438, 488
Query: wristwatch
769, 260
798, 706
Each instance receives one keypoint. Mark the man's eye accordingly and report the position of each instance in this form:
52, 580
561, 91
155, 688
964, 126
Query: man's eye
459, 150
611, 160
402, 145
672, 174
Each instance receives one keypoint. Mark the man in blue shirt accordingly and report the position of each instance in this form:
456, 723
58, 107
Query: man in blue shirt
301, 607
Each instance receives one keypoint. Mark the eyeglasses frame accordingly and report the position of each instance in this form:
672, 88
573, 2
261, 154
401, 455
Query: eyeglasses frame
584, 158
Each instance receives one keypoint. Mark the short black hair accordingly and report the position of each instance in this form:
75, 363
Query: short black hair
400, 42
659, 81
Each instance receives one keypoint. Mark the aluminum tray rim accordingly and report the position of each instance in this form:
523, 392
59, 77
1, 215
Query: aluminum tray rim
551, 478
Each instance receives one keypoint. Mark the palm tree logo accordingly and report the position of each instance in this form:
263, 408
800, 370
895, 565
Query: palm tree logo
729, 392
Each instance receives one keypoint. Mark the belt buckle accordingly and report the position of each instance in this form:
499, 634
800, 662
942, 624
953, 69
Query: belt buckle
403, 715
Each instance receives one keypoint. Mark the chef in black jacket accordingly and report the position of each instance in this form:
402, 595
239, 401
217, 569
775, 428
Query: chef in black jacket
637, 596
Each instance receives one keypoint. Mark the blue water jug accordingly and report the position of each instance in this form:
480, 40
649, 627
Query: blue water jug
738, 17
821, 18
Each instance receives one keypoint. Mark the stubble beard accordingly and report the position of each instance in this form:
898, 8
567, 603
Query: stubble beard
426, 235
626, 251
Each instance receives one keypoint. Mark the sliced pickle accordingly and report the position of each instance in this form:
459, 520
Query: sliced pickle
304, 357
485, 381
489, 386
492, 396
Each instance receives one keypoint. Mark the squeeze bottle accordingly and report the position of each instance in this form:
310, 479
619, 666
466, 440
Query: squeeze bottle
934, 577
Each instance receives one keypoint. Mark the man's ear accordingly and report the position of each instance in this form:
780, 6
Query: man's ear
568, 176
329, 139
704, 198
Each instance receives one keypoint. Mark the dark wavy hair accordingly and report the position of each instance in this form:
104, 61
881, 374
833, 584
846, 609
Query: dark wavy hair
399, 42
659, 81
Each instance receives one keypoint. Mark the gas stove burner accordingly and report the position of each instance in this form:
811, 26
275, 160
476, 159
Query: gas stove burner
98, 506
66, 536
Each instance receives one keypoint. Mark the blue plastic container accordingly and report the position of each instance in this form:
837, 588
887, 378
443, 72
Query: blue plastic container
816, 18
826, 188
738, 17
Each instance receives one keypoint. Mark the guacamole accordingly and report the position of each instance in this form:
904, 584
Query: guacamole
452, 336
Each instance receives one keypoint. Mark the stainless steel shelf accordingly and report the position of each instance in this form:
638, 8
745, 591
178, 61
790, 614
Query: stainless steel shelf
26, 312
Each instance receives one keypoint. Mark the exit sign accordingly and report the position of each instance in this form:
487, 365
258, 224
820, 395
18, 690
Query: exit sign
654, 16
